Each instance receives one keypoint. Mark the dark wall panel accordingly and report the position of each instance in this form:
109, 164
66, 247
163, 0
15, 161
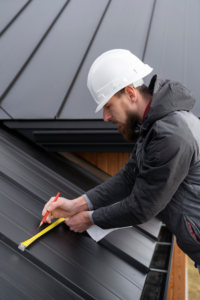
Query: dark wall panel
121, 28
42, 86
174, 44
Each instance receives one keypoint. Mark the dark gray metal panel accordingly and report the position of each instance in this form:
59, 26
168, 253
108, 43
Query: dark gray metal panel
20, 40
151, 228
8, 10
42, 86
20, 279
121, 28
66, 256
34, 176
133, 246
75, 260
174, 44
80, 177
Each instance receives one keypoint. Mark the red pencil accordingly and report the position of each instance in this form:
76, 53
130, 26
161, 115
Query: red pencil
48, 211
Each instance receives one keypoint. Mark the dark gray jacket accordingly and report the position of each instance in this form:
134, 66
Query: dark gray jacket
162, 176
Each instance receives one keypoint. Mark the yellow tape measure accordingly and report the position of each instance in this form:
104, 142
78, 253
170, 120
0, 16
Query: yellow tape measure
25, 244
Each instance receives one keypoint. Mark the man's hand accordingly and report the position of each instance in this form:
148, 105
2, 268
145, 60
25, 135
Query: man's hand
79, 222
64, 208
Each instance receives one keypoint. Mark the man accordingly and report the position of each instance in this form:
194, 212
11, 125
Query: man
162, 176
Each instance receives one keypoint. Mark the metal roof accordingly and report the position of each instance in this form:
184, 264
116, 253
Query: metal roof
72, 264
47, 48
174, 44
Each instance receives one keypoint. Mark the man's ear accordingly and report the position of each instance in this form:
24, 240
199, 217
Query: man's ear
131, 93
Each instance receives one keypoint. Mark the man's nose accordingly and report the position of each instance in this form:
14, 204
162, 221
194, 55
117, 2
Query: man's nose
106, 115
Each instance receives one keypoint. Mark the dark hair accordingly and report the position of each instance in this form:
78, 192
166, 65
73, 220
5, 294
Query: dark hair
143, 90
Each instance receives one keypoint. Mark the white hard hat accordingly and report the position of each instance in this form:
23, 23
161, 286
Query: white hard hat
112, 71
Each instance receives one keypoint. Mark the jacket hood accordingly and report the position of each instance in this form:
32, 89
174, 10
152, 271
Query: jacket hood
168, 96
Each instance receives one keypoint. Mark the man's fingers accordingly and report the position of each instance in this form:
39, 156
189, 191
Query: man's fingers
75, 225
54, 205
67, 221
48, 219
46, 205
50, 205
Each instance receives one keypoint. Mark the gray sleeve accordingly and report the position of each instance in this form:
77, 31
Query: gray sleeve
115, 188
91, 217
90, 206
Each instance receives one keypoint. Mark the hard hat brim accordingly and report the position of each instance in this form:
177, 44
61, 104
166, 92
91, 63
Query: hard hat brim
146, 71
100, 106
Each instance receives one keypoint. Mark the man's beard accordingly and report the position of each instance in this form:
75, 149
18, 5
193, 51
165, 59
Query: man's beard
129, 129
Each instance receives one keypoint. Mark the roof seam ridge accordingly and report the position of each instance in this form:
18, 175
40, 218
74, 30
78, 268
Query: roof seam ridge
6, 111
81, 63
32, 53
15, 17
45, 268
149, 29
44, 168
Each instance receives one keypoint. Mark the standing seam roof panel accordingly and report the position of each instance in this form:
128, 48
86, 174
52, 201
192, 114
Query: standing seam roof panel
34, 177
174, 44
42, 86
9, 9
24, 36
121, 29
135, 253
60, 252
75, 260
20, 279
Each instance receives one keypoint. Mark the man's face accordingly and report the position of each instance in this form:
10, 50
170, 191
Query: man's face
122, 114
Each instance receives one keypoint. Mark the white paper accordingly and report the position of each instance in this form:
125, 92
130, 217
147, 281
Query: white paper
98, 233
